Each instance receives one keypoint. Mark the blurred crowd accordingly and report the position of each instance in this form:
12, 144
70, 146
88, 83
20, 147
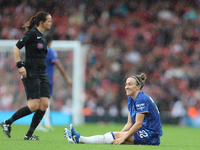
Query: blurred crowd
157, 37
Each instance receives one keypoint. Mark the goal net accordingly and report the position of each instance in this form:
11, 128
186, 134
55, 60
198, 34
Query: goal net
72, 56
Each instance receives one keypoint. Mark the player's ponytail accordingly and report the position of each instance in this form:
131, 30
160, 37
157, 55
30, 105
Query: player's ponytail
143, 77
35, 20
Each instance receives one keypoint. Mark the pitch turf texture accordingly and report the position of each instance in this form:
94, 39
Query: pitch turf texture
174, 138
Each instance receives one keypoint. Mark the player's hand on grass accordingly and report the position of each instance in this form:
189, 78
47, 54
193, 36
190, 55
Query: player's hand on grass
119, 141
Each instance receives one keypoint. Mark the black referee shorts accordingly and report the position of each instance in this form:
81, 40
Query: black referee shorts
36, 84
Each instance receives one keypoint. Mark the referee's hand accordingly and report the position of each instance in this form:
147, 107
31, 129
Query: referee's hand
22, 71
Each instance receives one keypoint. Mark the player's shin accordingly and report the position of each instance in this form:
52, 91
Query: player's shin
98, 139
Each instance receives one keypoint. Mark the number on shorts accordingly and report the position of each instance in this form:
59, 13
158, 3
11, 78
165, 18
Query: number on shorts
143, 133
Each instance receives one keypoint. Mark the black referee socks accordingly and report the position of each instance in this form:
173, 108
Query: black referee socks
19, 114
35, 121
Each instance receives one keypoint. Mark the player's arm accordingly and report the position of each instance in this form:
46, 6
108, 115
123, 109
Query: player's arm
129, 123
137, 125
62, 71
17, 57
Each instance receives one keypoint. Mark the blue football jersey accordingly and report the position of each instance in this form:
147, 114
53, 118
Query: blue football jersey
145, 104
51, 58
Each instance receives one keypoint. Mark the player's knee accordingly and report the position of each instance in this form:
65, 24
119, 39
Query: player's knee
34, 106
44, 106
118, 134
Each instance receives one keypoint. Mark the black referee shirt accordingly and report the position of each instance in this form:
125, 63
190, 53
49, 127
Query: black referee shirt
35, 48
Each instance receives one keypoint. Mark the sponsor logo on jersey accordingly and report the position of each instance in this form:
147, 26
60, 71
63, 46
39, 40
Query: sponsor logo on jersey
40, 46
140, 106
38, 37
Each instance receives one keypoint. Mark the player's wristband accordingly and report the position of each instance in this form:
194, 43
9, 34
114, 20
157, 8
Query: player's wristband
20, 64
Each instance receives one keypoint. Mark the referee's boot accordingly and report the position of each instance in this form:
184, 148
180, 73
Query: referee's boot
6, 128
31, 138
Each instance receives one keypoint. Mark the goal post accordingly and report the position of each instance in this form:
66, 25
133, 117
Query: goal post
79, 62
78, 77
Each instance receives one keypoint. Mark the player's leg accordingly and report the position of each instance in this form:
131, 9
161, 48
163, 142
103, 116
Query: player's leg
40, 127
40, 106
97, 139
47, 121
130, 140
47, 115
107, 138
41, 87
6, 124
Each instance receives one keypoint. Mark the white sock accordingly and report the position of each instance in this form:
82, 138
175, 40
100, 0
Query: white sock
39, 125
47, 121
98, 139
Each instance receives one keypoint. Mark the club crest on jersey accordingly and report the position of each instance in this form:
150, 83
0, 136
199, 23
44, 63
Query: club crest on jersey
40, 46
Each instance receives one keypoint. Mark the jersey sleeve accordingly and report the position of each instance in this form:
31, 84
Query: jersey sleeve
27, 36
142, 106
129, 103
54, 56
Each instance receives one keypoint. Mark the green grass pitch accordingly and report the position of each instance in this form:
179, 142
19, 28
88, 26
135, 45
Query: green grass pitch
174, 138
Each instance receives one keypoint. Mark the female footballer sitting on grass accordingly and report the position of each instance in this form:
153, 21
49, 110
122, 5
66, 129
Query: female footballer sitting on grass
143, 125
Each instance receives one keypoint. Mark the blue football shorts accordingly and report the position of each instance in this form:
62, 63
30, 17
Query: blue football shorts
144, 137
51, 89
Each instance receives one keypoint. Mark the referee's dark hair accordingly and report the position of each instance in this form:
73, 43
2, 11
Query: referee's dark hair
35, 20
48, 38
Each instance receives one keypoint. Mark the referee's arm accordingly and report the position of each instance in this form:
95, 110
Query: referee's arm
17, 57
17, 54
